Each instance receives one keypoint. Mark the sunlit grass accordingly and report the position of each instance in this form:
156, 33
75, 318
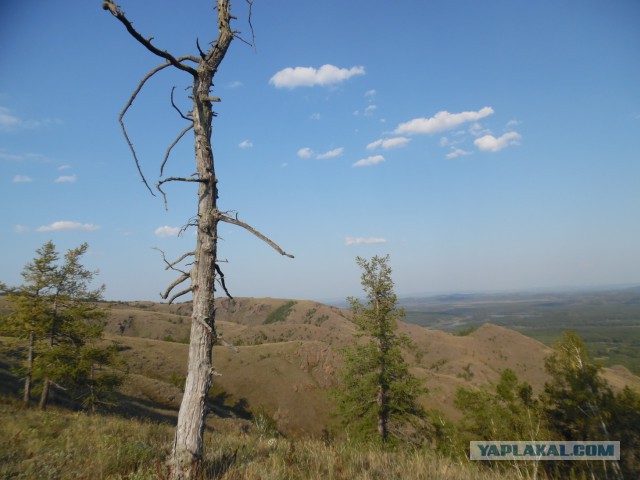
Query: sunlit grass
62, 445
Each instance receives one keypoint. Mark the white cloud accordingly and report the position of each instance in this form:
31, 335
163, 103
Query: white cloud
386, 144
457, 152
369, 110
67, 225
489, 143
22, 179
305, 152
336, 152
365, 162
234, 84
7, 120
245, 144
309, 76
20, 229
350, 241
167, 231
370, 93
315, 116
66, 179
64, 167
441, 121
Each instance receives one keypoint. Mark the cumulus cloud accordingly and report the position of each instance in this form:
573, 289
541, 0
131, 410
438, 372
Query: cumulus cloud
67, 225
305, 152
22, 179
372, 160
457, 152
350, 241
386, 144
370, 93
245, 144
324, 76
489, 143
441, 121
66, 179
336, 152
167, 231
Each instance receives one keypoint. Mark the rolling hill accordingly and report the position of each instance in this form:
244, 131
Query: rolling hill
288, 357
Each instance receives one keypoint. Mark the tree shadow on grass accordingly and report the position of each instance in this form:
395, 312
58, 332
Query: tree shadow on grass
127, 406
223, 405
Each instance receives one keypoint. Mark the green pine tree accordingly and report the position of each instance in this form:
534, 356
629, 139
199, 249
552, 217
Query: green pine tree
56, 314
379, 397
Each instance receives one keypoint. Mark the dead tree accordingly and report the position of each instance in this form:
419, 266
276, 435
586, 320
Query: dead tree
202, 271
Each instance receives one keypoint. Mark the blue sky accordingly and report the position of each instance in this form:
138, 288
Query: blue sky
484, 145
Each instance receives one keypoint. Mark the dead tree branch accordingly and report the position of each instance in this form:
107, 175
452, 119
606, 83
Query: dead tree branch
175, 142
221, 280
133, 96
185, 276
172, 265
177, 109
249, 228
226, 344
179, 294
174, 179
146, 42
253, 33
202, 54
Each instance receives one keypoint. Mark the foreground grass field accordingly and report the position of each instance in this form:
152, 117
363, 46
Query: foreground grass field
62, 445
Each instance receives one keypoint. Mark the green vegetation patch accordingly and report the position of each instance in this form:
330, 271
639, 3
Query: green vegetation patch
280, 314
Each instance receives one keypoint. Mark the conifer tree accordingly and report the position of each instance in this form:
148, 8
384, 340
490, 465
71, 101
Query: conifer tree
378, 398
580, 403
56, 313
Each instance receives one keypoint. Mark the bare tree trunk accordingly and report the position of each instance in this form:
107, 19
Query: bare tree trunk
27, 380
186, 455
44, 396
188, 444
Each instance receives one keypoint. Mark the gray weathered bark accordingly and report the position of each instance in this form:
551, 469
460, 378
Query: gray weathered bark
187, 450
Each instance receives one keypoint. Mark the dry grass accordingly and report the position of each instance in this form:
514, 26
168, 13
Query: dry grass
60, 445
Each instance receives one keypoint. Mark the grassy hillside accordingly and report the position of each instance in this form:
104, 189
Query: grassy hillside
63, 445
289, 354
277, 383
